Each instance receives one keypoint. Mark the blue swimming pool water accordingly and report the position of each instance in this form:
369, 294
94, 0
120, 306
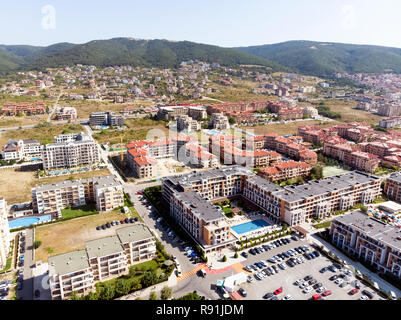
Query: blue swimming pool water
250, 226
27, 221
34, 159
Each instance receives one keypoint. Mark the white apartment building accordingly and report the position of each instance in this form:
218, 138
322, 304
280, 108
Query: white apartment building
4, 234
187, 124
106, 192
107, 258
22, 149
101, 260
75, 150
219, 121
70, 272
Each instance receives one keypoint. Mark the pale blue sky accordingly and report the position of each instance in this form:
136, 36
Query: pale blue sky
220, 22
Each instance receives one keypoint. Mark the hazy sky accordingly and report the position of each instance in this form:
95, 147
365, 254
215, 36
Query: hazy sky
220, 22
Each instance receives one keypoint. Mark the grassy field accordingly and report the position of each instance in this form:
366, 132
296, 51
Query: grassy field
43, 133
71, 235
71, 213
86, 107
288, 128
137, 130
332, 171
349, 113
238, 91
24, 181
6, 122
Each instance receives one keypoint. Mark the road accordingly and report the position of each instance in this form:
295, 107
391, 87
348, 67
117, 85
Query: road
54, 108
104, 155
27, 291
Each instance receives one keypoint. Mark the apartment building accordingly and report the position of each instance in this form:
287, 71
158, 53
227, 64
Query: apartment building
203, 221
77, 150
199, 157
142, 166
392, 187
5, 237
172, 112
67, 113
102, 259
107, 118
370, 240
105, 192
107, 258
296, 204
26, 108
219, 121
187, 124
70, 272
21, 149
138, 242
390, 122
285, 170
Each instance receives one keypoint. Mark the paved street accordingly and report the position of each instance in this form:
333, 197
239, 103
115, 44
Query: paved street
27, 291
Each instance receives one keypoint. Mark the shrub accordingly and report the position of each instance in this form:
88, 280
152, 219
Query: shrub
166, 293
37, 244
152, 295
224, 259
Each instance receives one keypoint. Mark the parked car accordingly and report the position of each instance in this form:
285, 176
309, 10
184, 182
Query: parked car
268, 295
368, 294
278, 291
242, 292
327, 293
244, 254
104, 227
353, 292
316, 297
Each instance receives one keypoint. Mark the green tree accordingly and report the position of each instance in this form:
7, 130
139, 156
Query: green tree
149, 278
166, 293
108, 292
122, 286
236, 255
224, 259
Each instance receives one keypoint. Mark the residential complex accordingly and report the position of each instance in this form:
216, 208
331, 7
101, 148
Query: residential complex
172, 112
285, 170
294, 205
392, 187
22, 108
103, 259
219, 121
187, 124
107, 118
66, 113
105, 192
69, 151
371, 240
4, 234
22, 149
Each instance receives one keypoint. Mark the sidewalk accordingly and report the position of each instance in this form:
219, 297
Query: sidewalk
358, 266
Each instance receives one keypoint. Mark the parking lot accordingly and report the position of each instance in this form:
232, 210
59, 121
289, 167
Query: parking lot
286, 279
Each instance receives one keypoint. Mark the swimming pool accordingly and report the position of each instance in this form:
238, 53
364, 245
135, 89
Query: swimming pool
250, 226
27, 221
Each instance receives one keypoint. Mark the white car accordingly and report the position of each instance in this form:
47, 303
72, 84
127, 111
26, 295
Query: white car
250, 279
287, 297
363, 298
339, 281
321, 290
307, 290
303, 285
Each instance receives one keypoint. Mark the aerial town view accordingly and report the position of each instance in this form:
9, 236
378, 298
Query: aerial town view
138, 169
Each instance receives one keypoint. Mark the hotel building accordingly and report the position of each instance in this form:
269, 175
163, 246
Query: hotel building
103, 259
76, 150
106, 192
371, 240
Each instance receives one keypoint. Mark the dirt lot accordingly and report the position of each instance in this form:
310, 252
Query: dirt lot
288, 128
72, 234
349, 113
85, 107
42, 133
6, 122
16, 186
